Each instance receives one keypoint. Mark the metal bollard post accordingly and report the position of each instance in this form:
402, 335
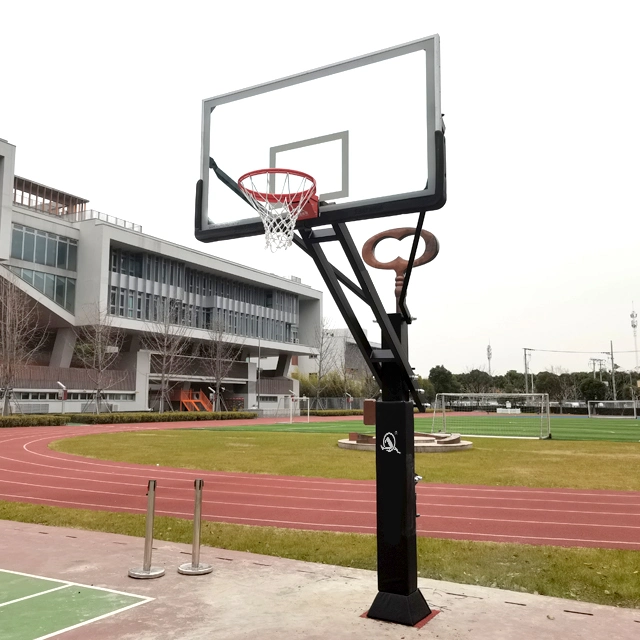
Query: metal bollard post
147, 571
195, 567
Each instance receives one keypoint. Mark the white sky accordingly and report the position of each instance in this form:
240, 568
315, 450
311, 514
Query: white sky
539, 238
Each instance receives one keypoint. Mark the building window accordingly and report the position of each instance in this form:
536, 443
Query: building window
113, 301
44, 248
59, 289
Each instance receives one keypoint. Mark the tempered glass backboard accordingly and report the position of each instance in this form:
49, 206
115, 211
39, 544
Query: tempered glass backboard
369, 130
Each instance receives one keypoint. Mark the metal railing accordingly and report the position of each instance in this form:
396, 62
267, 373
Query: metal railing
92, 214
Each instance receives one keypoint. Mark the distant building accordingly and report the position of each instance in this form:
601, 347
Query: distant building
76, 262
341, 353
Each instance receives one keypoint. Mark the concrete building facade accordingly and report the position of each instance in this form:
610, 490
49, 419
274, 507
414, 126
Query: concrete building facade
79, 265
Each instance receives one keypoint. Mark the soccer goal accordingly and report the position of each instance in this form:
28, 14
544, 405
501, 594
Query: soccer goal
500, 415
612, 409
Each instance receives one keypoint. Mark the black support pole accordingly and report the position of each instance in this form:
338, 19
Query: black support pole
398, 599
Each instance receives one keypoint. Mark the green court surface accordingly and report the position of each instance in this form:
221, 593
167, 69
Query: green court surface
34, 608
562, 427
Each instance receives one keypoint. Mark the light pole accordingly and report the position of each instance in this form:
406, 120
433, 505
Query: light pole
258, 372
64, 393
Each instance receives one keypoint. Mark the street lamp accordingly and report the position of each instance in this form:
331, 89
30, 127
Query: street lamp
64, 393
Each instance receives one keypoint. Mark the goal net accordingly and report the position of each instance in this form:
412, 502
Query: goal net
500, 415
612, 409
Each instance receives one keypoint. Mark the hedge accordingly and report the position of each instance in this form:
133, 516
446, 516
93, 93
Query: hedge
33, 420
334, 412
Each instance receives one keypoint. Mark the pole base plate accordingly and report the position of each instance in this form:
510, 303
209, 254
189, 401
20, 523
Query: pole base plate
141, 574
188, 569
393, 607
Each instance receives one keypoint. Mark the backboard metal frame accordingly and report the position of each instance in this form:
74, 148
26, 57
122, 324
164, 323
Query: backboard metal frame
432, 197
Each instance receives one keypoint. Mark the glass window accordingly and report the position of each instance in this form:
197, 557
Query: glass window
112, 301
16, 243
29, 245
38, 281
130, 305
41, 248
73, 255
114, 261
49, 285
60, 287
27, 276
70, 302
62, 254
51, 252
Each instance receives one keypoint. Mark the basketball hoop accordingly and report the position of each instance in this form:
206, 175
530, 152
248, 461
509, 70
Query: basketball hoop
281, 197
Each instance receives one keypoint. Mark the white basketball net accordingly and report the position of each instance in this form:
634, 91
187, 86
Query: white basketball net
278, 198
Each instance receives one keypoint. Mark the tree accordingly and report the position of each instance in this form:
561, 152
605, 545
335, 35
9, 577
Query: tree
443, 380
327, 359
429, 391
21, 334
169, 341
510, 382
592, 389
549, 383
475, 381
219, 355
97, 347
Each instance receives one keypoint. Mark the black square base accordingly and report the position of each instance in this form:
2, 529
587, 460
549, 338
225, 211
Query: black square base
393, 607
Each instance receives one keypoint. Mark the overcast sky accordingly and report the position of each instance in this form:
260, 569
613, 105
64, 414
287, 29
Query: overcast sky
539, 239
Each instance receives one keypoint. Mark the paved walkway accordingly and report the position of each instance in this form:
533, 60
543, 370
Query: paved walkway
251, 596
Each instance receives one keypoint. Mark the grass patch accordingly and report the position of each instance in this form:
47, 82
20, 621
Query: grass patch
604, 576
527, 463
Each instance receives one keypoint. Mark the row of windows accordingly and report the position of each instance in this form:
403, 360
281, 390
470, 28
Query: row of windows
172, 272
48, 395
127, 303
44, 248
57, 288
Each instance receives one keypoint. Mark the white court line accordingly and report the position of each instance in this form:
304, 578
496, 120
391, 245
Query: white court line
75, 584
86, 622
35, 595
66, 585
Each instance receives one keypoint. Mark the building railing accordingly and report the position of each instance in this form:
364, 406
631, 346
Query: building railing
92, 214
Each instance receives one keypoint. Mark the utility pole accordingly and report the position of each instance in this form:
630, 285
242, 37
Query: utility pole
526, 371
634, 326
613, 372
489, 354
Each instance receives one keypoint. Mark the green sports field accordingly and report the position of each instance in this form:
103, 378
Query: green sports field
562, 428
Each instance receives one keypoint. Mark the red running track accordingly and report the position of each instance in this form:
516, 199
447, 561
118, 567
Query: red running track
31, 472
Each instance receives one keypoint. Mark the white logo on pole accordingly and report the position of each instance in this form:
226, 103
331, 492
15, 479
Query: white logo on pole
389, 443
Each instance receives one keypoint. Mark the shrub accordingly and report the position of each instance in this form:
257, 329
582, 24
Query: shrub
32, 420
169, 416
49, 420
335, 412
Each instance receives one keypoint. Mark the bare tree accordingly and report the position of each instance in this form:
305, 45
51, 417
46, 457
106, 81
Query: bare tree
21, 333
219, 355
327, 357
97, 347
169, 340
